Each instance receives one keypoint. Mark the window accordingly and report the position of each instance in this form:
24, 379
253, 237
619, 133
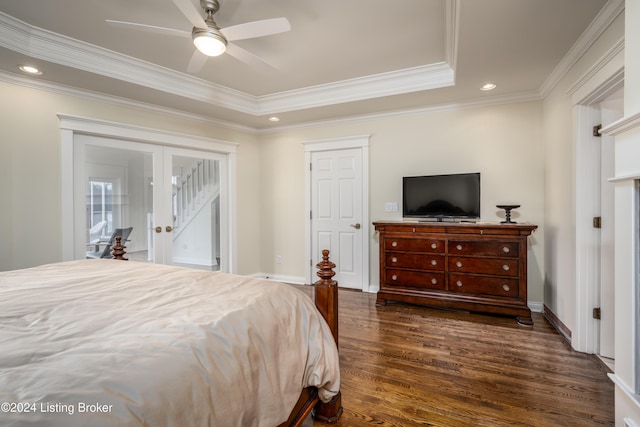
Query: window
101, 203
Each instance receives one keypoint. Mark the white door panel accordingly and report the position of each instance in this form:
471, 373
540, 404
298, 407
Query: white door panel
336, 206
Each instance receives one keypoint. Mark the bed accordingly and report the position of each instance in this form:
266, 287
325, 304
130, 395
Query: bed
113, 343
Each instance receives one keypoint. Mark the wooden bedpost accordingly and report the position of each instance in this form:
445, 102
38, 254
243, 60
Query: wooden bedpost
327, 293
118, 251
326, 290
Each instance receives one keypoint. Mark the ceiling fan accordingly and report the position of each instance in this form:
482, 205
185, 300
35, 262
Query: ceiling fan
211, 40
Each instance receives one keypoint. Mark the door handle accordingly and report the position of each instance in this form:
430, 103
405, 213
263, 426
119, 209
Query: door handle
169, 229
356, 226
158, 229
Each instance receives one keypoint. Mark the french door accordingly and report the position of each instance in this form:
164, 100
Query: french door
167, 200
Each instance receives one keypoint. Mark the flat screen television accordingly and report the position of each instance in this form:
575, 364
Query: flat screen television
441, 197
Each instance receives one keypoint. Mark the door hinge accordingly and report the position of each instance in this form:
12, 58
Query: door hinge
596, 130
310, 166
597, 222
310, 214
597, 313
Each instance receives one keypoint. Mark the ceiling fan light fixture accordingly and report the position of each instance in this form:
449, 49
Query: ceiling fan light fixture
209, 41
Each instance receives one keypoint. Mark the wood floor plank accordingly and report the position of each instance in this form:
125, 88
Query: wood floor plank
405, 365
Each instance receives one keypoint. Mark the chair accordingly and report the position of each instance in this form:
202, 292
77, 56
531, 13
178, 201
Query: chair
95, 232
106, 252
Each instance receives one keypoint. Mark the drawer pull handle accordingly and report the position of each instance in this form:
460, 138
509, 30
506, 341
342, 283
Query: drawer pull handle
506, 288
458, 264
434, 262
506, 267
506, 249
459, 247
394, 277
394, 259
394, 244
459, 283
433, 246
434, 281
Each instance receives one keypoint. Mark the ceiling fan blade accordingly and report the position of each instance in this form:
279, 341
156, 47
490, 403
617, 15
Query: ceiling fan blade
197, 61
149, 28
193, 14
254, 29
248, 57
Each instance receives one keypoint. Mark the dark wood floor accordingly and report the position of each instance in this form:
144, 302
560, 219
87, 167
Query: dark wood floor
403, 365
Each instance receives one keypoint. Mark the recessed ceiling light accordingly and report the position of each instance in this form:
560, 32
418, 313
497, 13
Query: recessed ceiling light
30, 70
488, 86
274, 119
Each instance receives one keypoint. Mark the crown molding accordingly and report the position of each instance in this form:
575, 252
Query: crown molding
81, 93
37, 43
452, 26
460, 105
114, 100
42, 44
600, 23
374, 86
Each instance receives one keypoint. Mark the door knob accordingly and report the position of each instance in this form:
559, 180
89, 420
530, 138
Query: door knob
169, 229
356, 226
158, 229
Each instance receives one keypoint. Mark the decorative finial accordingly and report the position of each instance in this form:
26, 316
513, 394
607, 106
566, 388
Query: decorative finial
325, 269
118, 250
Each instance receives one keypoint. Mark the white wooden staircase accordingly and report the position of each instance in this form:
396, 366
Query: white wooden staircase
195, 188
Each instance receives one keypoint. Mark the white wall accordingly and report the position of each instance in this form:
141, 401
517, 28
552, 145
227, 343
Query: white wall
503, 143
559, 155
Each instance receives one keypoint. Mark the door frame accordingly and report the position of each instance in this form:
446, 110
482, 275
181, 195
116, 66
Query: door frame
602, 80
359, 142
73, 125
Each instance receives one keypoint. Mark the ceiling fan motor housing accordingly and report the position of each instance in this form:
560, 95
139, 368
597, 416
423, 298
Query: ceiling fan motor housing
210, 6
205, 38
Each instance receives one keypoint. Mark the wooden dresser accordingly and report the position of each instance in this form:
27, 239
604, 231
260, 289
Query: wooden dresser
478, 267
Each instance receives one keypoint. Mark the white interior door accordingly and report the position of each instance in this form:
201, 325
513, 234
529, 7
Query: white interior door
611, 109
336, 212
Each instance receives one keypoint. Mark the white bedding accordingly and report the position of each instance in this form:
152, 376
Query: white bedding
113, 343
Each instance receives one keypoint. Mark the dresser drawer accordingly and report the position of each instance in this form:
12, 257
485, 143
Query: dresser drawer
429, 262
483, 248
494, 266
414, 245
471, 284
414, 279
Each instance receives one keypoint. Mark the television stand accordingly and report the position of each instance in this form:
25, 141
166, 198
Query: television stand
465, 266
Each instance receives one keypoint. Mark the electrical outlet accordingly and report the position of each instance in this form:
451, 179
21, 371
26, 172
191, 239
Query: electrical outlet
391, 206
278, 259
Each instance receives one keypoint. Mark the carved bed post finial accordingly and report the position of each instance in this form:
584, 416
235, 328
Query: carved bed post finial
327, 293
325, 270
118, 251
327, 302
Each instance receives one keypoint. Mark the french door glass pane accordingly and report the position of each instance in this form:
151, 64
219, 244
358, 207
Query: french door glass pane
119, 201
195, 212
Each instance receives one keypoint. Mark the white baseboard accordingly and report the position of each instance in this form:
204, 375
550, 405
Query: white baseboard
296, 280
194, 261
536, 307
